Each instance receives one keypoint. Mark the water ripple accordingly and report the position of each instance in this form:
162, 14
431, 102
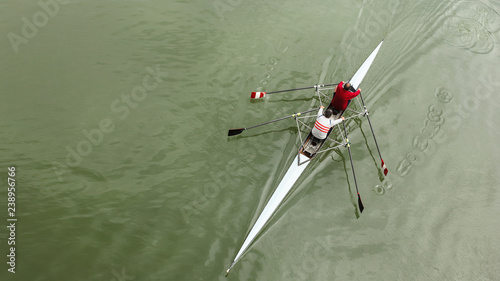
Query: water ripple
466, 34
469, 25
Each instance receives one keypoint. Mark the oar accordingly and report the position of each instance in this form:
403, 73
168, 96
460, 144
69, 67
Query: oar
258, 95
348, 144
233, 132
384, 167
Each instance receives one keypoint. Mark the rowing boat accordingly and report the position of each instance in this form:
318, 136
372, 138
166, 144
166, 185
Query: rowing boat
308, 150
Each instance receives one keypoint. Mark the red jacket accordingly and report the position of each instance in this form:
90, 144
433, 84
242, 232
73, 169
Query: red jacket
342, 97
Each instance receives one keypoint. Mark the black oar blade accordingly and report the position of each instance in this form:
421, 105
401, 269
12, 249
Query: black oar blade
360, 204
234, 132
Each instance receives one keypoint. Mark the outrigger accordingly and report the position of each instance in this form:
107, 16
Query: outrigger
309, 149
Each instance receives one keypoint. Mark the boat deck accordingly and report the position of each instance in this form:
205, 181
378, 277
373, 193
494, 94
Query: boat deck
312, 145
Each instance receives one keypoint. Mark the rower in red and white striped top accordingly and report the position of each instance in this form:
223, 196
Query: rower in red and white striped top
324, 123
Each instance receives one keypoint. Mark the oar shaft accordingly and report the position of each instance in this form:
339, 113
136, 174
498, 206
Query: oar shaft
350, 157
234, 132
353, 172
374, 138
305, 88
371, 128
360, 203
282, 118
384, 167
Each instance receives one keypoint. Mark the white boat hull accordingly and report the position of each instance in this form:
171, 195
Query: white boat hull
292, 175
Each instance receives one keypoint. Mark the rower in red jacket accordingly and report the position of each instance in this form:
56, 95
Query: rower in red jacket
343, 95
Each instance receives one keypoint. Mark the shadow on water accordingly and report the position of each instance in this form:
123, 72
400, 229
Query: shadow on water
375, 163
351, 195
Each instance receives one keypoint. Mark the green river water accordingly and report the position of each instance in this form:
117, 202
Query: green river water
114, 115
